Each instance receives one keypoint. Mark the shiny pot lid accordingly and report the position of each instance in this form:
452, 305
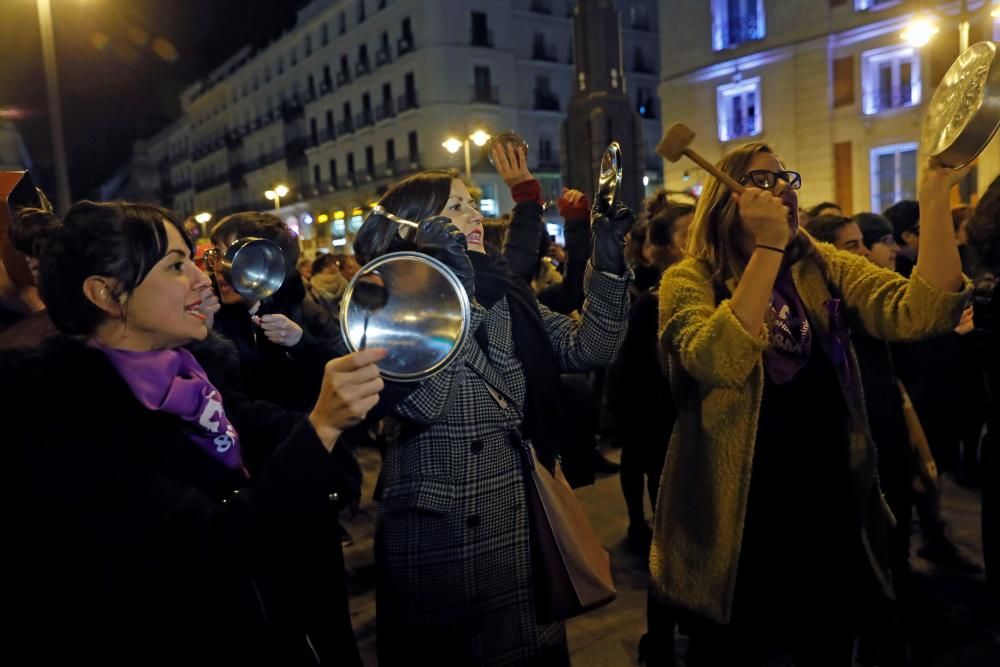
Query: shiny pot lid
964, 113
413, 306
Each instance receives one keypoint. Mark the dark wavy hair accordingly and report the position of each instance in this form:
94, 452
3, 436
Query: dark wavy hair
415, 198
120, 240
30, 229
825, 227
261, 225
874, 228
983, 230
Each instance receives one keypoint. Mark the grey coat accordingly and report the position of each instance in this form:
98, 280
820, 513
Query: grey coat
455, 579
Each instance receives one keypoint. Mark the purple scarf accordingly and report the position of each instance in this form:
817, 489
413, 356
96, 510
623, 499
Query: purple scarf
173, 381
790, 339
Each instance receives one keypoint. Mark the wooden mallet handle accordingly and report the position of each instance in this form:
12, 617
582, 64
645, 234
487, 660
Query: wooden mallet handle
676, 143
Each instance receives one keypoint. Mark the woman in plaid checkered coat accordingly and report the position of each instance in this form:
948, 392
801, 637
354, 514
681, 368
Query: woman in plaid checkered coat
455, 579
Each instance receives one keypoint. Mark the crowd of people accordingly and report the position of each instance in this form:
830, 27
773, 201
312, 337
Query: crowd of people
784, 385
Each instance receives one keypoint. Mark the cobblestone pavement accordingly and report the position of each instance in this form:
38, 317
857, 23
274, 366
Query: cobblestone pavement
960, 627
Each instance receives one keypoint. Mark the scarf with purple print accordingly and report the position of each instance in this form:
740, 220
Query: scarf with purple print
173, 381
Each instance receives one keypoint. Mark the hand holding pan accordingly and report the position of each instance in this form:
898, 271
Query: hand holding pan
676, 143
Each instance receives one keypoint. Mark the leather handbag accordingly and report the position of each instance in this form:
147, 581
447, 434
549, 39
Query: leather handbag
572, 570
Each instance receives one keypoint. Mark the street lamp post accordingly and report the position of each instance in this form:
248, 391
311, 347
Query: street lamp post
276, 194
63, 197
453, 144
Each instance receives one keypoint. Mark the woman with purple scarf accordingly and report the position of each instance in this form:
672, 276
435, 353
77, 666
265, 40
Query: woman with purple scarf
771, 531
140, 528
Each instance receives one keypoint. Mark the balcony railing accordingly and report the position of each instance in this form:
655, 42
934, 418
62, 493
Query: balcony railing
210, 182
737, 30
641, 66
384, 111
541, 6
887, 99
265, 159
361, 68
404, 45
364, 119
407, 164
383, 57
345, 126
482, 38
325, 87
325, 135
343, 77
545, 52
734, 128
546, 101
485, 95
407, 101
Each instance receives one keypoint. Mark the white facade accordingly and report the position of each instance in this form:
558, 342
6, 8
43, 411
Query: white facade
829, 84
362, 92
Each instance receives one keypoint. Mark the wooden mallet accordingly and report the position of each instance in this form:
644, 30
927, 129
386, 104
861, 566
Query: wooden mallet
676, 143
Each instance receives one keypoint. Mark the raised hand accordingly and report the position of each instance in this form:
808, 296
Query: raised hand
765, 216
511, 162
350, 389
442, 240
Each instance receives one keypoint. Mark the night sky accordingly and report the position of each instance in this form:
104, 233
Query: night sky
122, 66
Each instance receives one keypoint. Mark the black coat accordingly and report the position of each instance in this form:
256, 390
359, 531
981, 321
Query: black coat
288, 376
125, 543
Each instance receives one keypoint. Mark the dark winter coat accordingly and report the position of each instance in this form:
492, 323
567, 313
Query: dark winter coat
452, 544
288, 376
125, 543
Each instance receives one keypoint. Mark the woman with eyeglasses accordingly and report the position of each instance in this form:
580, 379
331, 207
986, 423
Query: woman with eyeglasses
770, 528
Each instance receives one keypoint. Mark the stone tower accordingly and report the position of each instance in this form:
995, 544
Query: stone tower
600, 111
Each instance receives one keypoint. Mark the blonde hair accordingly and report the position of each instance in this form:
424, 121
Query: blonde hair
716, 234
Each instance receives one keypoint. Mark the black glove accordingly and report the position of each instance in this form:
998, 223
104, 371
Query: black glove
442, 240
607, 238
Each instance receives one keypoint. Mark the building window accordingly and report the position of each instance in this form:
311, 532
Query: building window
333, 173
894, 174
864, 5
890, 78
342, 22
735, 22
739, 109
324, 35
483, 90
645, 103
317, 176
481, 33
411, 140
545, 151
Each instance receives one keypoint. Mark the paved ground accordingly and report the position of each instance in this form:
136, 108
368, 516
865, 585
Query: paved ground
960, 627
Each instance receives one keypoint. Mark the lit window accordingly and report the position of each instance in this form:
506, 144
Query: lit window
890, 78
735, 22
894, 174
739, 109
864, 5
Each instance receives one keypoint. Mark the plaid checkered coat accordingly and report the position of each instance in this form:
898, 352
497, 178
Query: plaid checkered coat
455, 579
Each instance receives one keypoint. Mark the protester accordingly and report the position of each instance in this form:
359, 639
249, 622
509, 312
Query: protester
327, 284
768, 544
137, 531
28, 232
284, 341
905, 219
455, 578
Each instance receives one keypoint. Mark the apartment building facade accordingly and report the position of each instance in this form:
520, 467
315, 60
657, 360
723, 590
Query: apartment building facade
829, 84
360, 93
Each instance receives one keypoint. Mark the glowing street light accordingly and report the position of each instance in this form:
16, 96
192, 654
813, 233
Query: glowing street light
202, 219
920, 31
276, 194
454, 144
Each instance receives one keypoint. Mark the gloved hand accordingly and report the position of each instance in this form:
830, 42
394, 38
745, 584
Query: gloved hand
607, 238
442, 240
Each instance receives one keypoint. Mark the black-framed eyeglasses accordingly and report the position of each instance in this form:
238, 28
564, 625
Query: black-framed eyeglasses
210, 257
768, 180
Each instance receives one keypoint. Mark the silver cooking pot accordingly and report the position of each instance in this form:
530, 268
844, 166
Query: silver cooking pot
413, 306
255, 268
964, 112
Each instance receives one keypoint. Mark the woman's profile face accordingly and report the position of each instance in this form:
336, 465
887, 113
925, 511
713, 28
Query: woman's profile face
164, 310
461, 210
